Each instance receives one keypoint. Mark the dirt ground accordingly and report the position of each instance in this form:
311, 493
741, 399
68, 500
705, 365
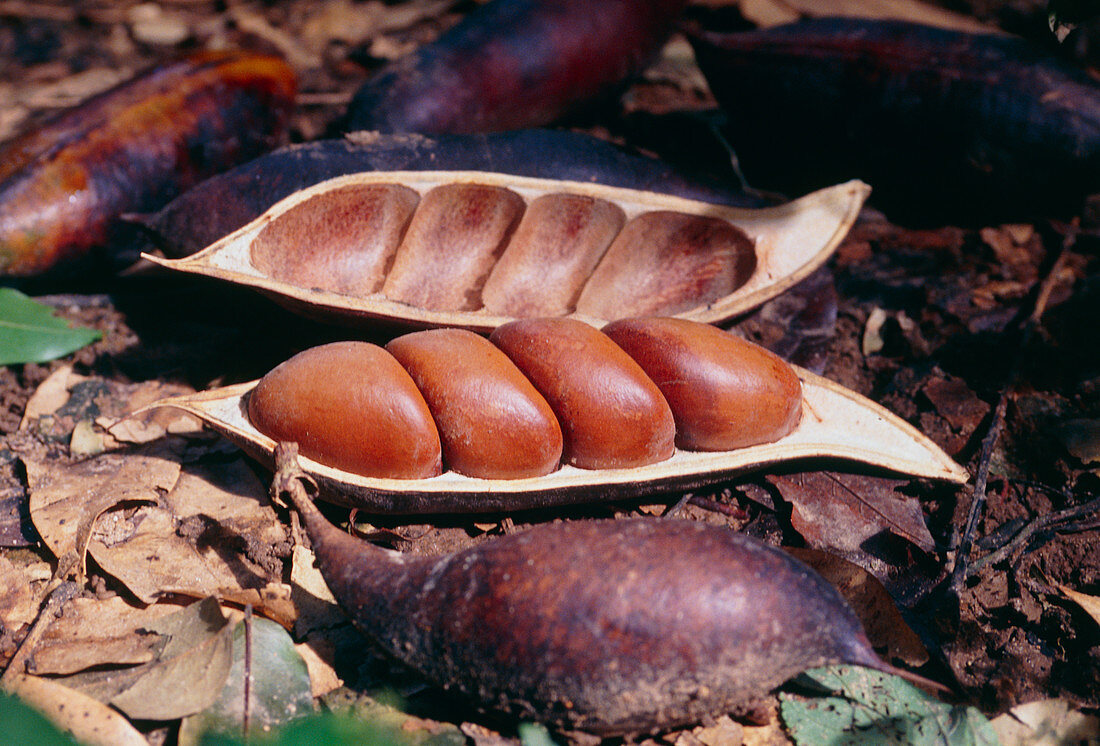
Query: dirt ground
936, 322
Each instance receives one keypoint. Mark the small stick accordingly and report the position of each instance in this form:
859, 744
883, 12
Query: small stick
57, 599
1059, 520
246, 717
960, 572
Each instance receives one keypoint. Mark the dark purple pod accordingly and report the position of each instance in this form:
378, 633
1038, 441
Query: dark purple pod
513, 64
955, 121
603, 626
224, 203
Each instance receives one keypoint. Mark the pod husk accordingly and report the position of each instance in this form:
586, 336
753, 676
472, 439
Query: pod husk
791, 241
836, 423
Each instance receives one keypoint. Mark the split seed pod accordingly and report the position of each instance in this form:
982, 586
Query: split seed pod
608, 627
476, 250
133, 148
826, 420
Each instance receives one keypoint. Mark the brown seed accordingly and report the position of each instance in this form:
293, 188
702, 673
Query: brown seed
668, 262
349, 405
492, 422
554, 250
452, 243
724, 392
612, 416
342, 241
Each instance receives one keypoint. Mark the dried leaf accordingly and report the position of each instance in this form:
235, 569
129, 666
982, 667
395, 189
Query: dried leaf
774, 12
842, 511
32, 333
187, 676
872, 603
99, 632
872, 332
90, 722
18, 603
1082, 439
318, 653
316, 606
955, 402
1091, 604
1046, 723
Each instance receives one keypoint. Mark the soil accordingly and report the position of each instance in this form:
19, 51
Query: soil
931, 321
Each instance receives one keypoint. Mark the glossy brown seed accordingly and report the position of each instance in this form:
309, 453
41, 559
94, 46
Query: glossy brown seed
492, 422
667, 262
612, 415
341, 241
554, 250
452, 243
349, 405
724, 392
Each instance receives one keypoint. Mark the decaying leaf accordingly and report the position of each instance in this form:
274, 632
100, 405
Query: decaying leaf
92, 723
99, 632
871, 601
842, 511
316, 606
18, 601
318, 652
774, 12
186, 677
280, 686
1046, 723
1091, 604
867, 706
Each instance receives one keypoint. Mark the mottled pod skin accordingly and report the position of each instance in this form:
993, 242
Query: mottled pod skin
724, 392
132, 149
492, 422
611, 414
512, 64
349, 405
602, 626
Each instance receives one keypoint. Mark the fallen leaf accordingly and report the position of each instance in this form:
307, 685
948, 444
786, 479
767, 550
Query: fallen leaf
872, 332
187, 676
1082, 439
18, 601
32, 333
865, 706
90, 722
1091, 604
16, 528
318, 653
902, 10
99, 632
1047, 722
317, 607
842, 511
872, 603
50, 395
955, 402
280, 686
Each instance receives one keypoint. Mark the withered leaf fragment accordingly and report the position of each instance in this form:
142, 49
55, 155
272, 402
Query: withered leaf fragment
64, 185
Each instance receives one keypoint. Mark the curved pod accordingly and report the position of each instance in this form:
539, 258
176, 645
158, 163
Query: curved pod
835, 423
786, 244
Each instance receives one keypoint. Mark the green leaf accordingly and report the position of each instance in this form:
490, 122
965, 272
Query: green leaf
27, 727
863, 706
332, 729
280, 686
30, 333
533, 734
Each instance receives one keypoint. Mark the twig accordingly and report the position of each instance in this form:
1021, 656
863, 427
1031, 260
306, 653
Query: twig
961, 571
246, 716
1062, 520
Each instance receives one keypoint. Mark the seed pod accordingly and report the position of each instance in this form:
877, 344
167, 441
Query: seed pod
512, 64
131, 149
464, 262
962, 123
724, 392
352, 406
610, 627
187, 224
612, 416
492, 422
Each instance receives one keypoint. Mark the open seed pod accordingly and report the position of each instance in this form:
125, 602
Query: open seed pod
835, 423
476, 250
